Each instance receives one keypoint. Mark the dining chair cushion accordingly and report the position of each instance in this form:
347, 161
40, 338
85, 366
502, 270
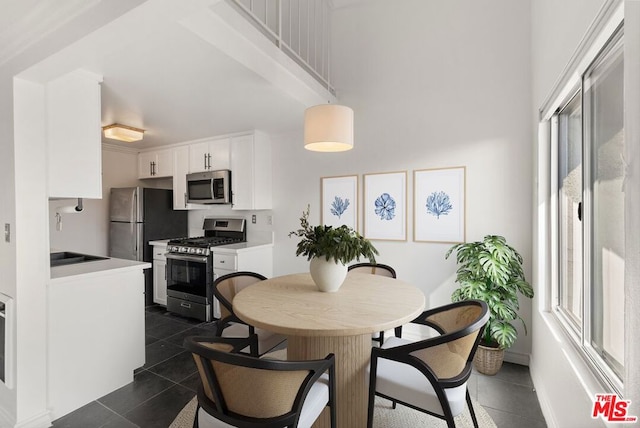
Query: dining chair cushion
408, 384
314, 404
266, 339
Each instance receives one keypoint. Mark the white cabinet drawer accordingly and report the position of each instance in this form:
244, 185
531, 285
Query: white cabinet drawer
225, 261
159, 252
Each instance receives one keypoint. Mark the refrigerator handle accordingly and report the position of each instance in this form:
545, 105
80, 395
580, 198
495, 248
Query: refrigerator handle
140, 244
134, 215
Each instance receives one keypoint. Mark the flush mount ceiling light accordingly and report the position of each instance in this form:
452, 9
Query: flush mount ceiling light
125, 133
328, 128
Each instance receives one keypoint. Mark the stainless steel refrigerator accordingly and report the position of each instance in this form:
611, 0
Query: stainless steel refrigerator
138, 215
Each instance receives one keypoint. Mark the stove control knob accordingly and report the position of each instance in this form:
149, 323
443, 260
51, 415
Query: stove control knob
183, 249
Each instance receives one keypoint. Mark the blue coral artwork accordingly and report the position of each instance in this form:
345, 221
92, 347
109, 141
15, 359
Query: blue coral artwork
385, 207
339, 201
339, 206
438, 203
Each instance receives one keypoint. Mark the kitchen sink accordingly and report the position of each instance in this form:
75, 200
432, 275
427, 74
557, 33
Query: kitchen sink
68, 258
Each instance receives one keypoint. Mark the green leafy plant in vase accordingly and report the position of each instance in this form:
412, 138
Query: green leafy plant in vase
330, 249
491, 270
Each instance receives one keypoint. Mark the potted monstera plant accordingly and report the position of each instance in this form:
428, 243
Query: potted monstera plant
329, 250
491, 270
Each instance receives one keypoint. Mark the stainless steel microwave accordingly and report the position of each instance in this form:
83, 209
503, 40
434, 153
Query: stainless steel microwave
210, 187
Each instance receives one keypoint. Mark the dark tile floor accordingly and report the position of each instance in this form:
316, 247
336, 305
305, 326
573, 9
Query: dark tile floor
168, 380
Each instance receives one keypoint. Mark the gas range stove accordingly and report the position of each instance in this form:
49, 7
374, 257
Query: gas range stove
217, 231
200, 245
189, 270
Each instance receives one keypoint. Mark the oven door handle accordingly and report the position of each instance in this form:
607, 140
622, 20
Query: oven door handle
199, 259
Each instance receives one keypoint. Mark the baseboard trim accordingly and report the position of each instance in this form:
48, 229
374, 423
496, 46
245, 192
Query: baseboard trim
517, 358
42, 420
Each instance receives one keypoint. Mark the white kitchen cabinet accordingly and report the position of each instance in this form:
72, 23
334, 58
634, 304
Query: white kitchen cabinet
251, 172
102, 342
209, 155
180, 170
74, 139
243, 257
160, 274
155, 164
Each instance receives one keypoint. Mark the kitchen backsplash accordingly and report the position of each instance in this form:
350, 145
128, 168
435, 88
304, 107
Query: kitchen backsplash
260, 231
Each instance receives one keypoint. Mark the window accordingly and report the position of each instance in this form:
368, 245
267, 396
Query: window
589, 223
569, 128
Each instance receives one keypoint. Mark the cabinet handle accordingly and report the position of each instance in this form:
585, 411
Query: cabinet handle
165, 272
209, 159
205, 161
150, 168
185, 199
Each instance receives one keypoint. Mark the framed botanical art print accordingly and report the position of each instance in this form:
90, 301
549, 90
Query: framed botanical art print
439, 205
339, 201
385, 206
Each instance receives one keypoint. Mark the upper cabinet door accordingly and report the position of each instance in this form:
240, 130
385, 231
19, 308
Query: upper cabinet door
199, 157
146, 163
155, 164
74, 136
164, 163
251, 172
180, 168
219, 151
209, 155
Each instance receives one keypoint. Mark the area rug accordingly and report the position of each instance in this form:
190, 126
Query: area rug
384, 417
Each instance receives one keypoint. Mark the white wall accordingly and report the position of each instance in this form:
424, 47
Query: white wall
432, 84
31, 179
7, 216
88, 231
558, 371
24, 262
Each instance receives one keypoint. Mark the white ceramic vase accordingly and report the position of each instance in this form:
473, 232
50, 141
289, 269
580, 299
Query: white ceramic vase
327, 274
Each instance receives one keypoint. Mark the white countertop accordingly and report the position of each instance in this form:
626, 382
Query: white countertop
95, 267
240, 247
228, 248
160, 242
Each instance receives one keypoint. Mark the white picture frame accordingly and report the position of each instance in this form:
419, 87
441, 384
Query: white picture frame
439, 205
385, 206
339, 201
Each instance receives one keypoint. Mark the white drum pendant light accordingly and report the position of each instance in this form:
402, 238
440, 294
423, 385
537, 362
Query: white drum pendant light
328, 128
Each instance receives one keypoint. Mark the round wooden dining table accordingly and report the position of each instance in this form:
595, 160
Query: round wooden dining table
318, 323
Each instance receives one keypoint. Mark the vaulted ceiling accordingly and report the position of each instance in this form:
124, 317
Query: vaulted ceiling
159, 73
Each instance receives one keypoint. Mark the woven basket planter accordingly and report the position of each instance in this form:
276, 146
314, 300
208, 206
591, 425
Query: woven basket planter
488, 360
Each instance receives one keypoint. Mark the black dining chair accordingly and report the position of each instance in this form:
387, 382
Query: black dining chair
382, 270
248, 392
431, 375
225, 289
